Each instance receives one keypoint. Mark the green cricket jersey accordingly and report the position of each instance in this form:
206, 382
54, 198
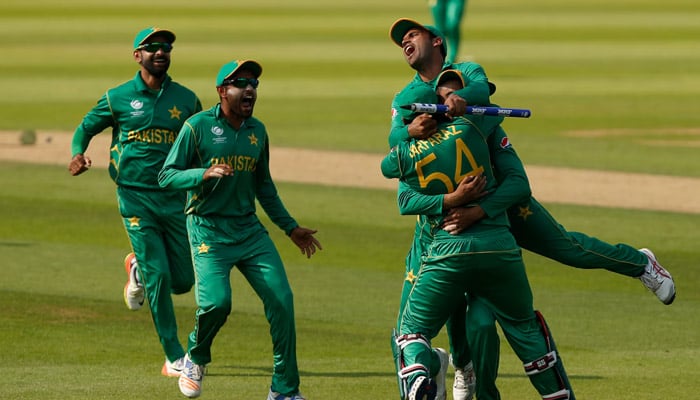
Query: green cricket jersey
510, 176
207, 139
475, 92
145, 123
462, 146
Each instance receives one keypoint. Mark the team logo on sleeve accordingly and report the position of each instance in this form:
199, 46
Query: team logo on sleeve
394, 112
505, 143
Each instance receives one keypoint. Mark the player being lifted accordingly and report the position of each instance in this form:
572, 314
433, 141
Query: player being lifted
531, 224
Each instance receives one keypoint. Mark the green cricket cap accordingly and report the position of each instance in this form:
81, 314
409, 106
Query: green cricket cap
419, 93
449, 74
145, 34
456, 74
403, 25
232, 67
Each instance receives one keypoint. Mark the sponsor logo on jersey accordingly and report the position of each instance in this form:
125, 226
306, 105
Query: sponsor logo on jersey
505, 142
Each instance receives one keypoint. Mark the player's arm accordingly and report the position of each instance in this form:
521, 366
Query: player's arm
421, 126
267, 196
399, 130
266, 193
513, 186
412, 202
95, 121
513, 183
176, 172
476, 84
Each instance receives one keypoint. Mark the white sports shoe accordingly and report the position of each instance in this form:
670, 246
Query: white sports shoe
133, 290
440, 378
657, 279
278, 396
174, 368
465, 383
190, 381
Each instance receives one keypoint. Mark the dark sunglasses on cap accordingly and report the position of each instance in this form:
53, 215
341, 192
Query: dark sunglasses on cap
241, 82
155, 46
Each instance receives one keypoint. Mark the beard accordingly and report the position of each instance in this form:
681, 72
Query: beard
157, 71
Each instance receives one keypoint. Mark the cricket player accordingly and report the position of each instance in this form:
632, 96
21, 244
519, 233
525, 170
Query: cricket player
221, 157
448, 15
483, 260
146, 114
533, 227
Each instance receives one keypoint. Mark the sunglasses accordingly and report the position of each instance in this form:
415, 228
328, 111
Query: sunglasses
241, 82
155, 46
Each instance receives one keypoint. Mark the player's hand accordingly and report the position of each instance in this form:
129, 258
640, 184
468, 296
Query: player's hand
422, 127
461, 218
79, 164
305, 240
218, 171
456, 105
469, 189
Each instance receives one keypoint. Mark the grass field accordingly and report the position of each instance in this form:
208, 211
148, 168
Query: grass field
612, 85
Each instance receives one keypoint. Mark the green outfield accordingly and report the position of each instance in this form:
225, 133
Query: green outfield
613, 85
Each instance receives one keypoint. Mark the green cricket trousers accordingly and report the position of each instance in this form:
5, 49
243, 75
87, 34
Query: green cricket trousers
488, 265
155, 223
219, 244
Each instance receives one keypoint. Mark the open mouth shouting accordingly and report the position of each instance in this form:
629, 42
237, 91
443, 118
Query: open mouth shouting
409, 49
247, 103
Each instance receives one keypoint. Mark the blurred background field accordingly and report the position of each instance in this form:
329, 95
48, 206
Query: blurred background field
613, 85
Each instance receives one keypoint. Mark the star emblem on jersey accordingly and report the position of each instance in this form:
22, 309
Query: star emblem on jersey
410, 277
203, 248
253, 139
175, 113
524, 212
134, 221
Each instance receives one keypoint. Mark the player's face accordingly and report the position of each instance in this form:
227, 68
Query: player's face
238, 95
417, 46
154, 56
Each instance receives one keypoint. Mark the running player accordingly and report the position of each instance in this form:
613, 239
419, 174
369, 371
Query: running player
221, 157
448, 15
145, 115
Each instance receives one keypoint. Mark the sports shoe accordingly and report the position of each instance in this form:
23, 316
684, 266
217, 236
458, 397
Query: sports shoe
133, 290
440, 386
422, 389
190, 381
657, 279
174, 368
279, 396
465, 383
